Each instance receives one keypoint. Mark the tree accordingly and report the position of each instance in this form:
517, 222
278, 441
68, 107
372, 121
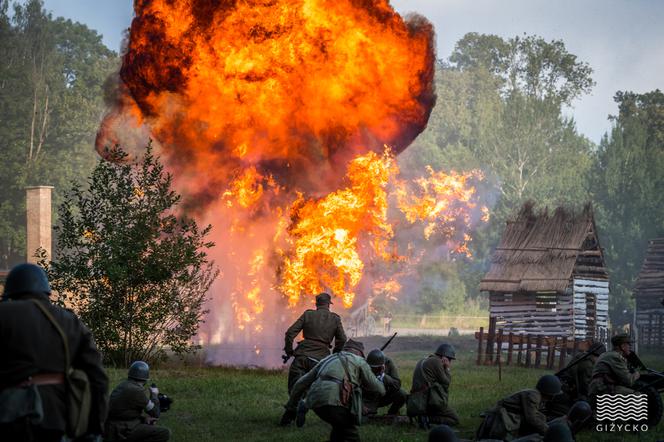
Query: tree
629, 189
134, 270
51, 99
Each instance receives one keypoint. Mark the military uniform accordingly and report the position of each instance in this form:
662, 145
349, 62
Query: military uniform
395, 396
31, 347
324, 383
515, 416
432, 379
611, 375
125, 416
319, 327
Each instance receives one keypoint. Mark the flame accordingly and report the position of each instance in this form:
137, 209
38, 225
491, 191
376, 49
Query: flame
272, 117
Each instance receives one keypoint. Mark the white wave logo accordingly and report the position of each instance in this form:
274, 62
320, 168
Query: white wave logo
622, 407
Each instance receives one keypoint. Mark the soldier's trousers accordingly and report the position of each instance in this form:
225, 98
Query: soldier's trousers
149, 433
447, 416
300, 366
344, 424
394, 398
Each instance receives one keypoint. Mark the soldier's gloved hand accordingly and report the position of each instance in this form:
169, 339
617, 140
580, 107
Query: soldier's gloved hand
288, 417
154, 391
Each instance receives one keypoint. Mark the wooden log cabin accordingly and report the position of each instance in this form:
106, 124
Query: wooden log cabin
649, 296
547, 276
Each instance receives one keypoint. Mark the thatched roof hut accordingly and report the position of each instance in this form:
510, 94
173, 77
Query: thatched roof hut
547, 275
649, 295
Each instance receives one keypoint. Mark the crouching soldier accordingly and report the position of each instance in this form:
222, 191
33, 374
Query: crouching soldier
129, 400
387, 372
335, 386
519, 414
611, 374
429, 396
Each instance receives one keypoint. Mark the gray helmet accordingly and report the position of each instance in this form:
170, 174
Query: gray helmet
442, 433
558, 433
579, 414
139, 371
446, 350
375, 358
549, 385
26, 278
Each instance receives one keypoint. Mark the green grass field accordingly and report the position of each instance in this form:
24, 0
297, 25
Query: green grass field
227, 404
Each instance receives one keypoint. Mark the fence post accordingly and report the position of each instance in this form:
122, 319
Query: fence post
563, 353
521, 339
538, 352
479, 346
551, 352
499, 345
510, 346
489, 341
528, 346
575, 347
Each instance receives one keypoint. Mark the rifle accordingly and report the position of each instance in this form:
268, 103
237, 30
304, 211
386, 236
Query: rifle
388, 342
583, 358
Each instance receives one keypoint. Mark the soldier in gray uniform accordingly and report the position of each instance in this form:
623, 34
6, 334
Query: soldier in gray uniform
319, 327
326, 395
387, 372
129, 401
33, 360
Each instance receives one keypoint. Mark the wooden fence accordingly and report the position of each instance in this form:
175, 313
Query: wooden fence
496, 347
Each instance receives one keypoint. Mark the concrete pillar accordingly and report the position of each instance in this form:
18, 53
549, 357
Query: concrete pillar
38, 208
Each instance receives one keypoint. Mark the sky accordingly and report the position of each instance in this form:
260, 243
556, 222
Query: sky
622, 40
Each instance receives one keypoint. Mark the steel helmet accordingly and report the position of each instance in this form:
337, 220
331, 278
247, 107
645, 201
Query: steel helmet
558, 432
549, 385
376, 358
579, 414
26, 278
446, 350
139, 371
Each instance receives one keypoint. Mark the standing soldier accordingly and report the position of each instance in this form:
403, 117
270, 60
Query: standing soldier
128, 402
319, 327
387, 372
32, 361
611, 374
335, 391
429, 396
519, 414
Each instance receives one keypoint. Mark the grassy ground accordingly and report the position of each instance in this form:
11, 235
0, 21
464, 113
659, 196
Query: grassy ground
226, 404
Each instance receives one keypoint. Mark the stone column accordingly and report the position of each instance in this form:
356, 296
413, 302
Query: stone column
38, 215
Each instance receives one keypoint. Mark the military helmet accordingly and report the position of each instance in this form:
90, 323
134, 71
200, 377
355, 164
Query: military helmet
354, 345
139, 371
597, 349
580, 412
323, 299
446, 350
376, 358
549, 385
558, 432
618, 340
442, 433
26, 278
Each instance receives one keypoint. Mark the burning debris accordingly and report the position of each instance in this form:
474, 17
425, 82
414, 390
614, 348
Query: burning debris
273, 117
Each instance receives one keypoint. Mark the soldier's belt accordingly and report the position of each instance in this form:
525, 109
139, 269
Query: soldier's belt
43, 379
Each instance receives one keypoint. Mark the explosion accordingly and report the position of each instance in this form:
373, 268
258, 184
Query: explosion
273, 117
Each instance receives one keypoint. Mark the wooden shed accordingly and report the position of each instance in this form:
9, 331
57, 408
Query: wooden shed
649, 295
547, 276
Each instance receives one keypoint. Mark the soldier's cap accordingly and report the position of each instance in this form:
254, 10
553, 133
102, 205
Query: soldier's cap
618, 340
597, 349
354, 345
323, 299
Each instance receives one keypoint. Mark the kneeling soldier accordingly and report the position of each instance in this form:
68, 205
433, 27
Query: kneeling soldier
519, 414
327, 395
387, 372
429, 396
128, 402
611, 374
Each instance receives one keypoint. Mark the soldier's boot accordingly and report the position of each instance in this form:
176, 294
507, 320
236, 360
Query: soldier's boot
287, 417
301, 414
